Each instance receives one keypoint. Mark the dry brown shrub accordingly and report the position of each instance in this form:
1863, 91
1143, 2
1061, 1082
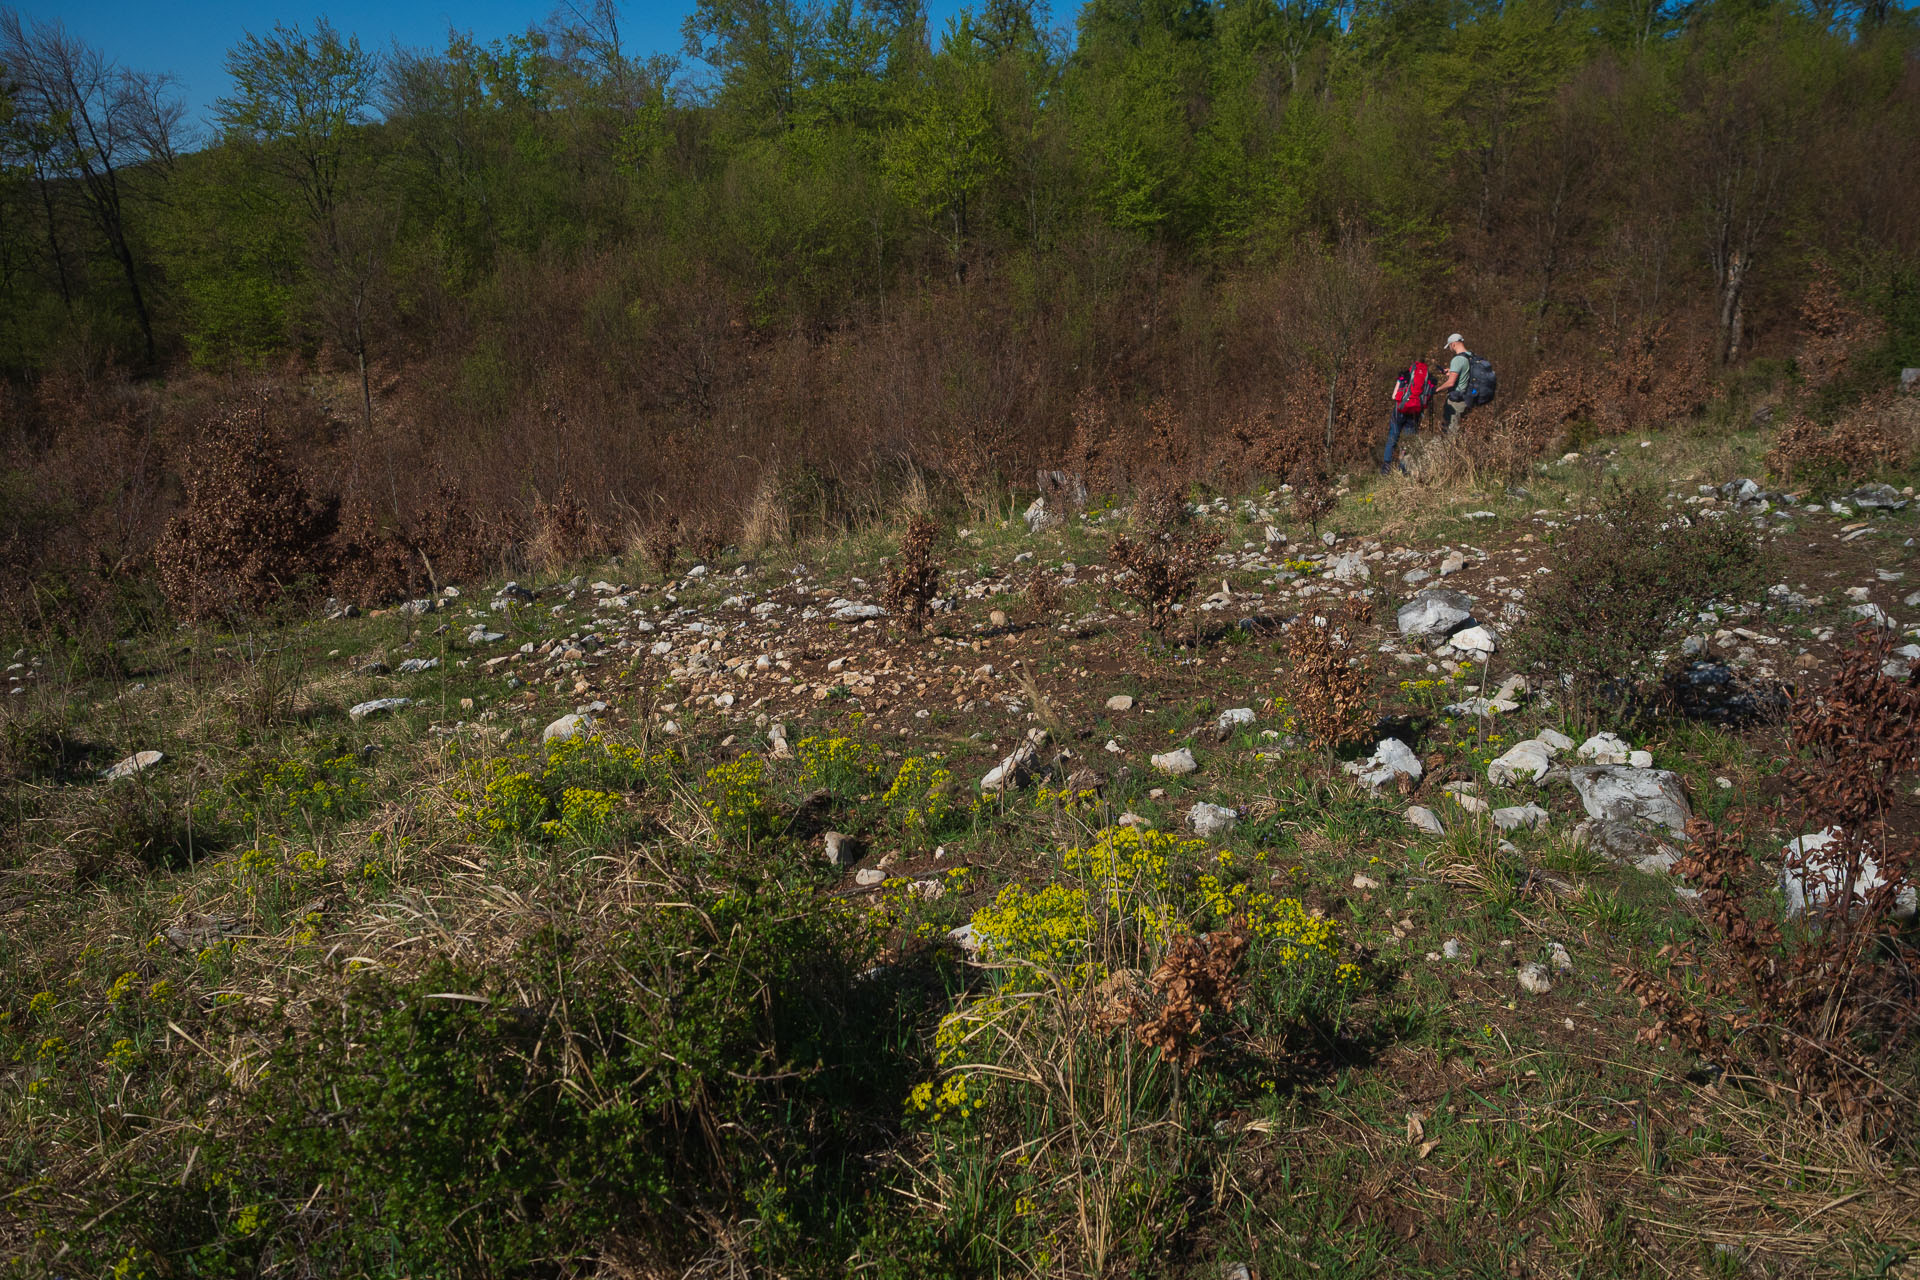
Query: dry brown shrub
1833, 330
249, 533
1881, 431
1831, 1006
441, 540
974, 453
1196, 977
1157, 565
1087, 455
1043, 594
1333, 699
659, 545
913, 580
564, 531
1258, 441
1312, 495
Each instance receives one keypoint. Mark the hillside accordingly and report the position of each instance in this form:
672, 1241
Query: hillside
607, 922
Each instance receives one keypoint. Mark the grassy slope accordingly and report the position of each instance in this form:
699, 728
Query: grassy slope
1455, 1125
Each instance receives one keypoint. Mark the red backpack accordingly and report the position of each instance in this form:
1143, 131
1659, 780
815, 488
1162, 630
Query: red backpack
1414, 388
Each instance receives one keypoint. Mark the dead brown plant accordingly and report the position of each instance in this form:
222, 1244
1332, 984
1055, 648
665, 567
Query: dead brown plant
913, 579
1158, 565
1329, 687
1825, 1008
249, 532
1196, 977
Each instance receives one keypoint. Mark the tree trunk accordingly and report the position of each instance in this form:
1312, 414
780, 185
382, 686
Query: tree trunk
1333, 391
1730, 308
53, 244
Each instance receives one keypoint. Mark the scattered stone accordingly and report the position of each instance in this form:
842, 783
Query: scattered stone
1233, 718
1425, 819
1451, 949
1391, 759
133, 764
567, 727
1364, 882
867, 877
1534, 980
1209, 820
1176, 762
378, 706
1120, 702
966, 938
1624, 794
1640, 759
997, 618
480, 635
414, 666
1560, 960
1453, 563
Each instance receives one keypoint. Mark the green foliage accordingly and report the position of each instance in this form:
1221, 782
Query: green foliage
710, 1061
1626, 581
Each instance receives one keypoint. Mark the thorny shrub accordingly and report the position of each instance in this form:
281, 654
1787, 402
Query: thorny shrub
1626, 580
1158, 566
1330, 696
249, 532
913, 580
1830, 1002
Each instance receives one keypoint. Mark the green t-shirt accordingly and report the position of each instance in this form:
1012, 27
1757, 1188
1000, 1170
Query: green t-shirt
1458, 366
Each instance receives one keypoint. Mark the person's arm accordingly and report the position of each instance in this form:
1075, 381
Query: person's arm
1453, 376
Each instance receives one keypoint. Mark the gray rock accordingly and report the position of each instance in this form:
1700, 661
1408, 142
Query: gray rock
1526, 761
480, 635
1211, 820
1910, 379
1475, 640
133, 764
1522, 817
567, 727
1017, 766
1391, 759
1631, 845
1425, 819
1534, 980
1120, 702
1436, 611
1561, 961
414, 666
379, 706
1605, 748
1348, 567
839, 848
1623, 794
1179, 761
1812, 868
1454, 562
867, 877
1414, 577
1452, 949
1882, 497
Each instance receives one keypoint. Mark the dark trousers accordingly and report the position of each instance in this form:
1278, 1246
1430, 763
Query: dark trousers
1399, 422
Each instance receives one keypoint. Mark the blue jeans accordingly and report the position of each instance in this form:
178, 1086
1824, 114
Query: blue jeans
1398, 423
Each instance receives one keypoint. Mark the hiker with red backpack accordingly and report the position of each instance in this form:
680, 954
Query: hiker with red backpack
1411, 392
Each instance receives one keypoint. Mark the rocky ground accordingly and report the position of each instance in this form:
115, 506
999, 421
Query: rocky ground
1488, 858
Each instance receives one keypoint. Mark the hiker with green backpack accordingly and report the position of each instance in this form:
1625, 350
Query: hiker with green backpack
1470, 383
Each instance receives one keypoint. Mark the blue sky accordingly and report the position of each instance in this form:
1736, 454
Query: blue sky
190, 38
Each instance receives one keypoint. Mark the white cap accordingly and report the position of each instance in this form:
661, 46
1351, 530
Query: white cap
1455, 338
